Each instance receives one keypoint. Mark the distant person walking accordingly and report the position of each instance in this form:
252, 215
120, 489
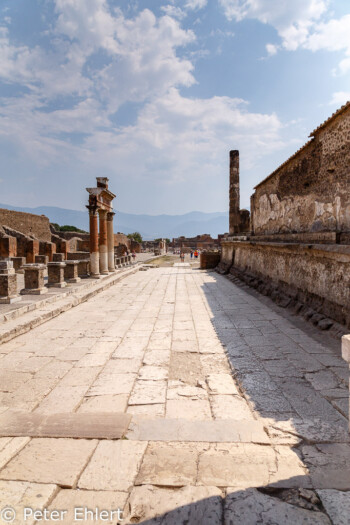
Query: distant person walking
133, 256
191, 254
182, 257
196, 254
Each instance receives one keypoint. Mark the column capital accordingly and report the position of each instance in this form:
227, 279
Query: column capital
92, 209
102, 212
110, 215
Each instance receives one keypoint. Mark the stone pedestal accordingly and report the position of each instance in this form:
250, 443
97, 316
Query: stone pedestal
8, 283
41, 259
103, 243
84, 268
34, 279
71, 272
118, 263
18, 262
58, 257
55, 271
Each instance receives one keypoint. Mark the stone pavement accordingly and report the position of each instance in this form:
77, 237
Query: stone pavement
237, 410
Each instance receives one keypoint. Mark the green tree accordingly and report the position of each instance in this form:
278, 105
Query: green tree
136, 236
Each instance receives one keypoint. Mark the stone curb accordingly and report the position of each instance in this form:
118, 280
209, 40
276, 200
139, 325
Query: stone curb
22, 310
42, 312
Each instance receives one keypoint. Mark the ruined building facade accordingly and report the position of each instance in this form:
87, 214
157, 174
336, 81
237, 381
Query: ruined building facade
297, 247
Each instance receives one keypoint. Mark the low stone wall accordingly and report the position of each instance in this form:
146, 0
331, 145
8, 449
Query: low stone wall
316, 275
209, 259
77, 256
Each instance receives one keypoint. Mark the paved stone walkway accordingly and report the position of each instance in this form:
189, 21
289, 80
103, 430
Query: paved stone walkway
237, 409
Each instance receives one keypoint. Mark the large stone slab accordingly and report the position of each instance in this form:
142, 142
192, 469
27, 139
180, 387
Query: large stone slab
250, 507
18, 495
186, 431
68, 500
148, 392
107, 403
230, 407
329, 465
9, 447
189, 408
337, 505
112, 384
183, 506
91, 425
170, 464
45, 460
113, 466
222, 384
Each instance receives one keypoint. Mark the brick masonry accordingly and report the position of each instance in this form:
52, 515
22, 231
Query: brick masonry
27, 223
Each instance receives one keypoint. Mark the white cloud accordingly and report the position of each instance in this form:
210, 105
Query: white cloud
195, 4
271, 49
299, 23
340, 97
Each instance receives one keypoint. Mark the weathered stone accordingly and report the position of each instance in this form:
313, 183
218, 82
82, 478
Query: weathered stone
185, 505
337, 505
170, 464
113, 466
112, 384
19, 495
46, 460
230, 407
92, 425
153, 373
107, 403
251, 507
238, 465
329, 465
9, 447
222, 384
69, 500
146, 392
34, 279
200, 431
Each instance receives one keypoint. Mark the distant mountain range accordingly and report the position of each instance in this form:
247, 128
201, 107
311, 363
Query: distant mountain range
150, 226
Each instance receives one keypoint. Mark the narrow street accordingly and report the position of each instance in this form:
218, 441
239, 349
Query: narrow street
226, 394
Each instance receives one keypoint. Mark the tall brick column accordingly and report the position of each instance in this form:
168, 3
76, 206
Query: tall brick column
234, 191
103, 242
110, 241
94, 253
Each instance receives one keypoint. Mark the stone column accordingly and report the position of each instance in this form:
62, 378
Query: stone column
234, 192
103, 242
110, 241
345, 351
94, 254
8, 283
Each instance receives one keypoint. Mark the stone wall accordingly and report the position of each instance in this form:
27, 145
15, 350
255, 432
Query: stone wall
209, 259
315, 275
26, 223
310, 192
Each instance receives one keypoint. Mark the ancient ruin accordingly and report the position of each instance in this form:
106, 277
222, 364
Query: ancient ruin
297, 246
101, 239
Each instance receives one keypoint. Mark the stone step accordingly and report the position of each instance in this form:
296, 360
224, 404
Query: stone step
218, 431
65, 425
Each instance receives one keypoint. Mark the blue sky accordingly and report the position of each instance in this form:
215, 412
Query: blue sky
154, 94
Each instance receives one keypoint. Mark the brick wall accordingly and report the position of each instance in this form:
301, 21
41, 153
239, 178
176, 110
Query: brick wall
27, 223
311, 191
